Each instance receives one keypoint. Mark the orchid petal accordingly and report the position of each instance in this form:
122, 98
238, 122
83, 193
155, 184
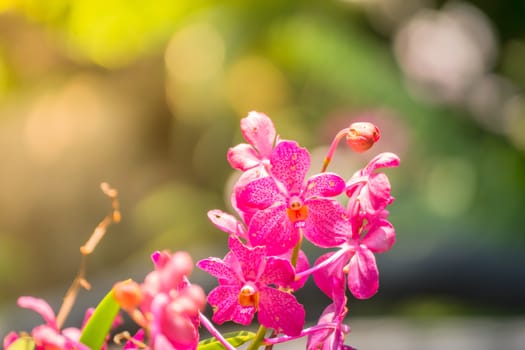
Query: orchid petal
272, 228
224, 300
363, 276
326, 279
324, 185
277, 271
227, 223
259, 131
243, 157
41, 307
258, 194
251, 260
380, 237
326, 224
382, 160
289, 164
281, 311
218, 268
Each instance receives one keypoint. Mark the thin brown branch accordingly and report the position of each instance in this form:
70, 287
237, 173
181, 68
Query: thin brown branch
88, 248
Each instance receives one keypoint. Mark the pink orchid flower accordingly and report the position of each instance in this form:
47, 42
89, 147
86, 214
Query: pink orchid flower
368, 191
47, 336
356, 259
171, 304
259, 131
245, 277
285, 204
332, 330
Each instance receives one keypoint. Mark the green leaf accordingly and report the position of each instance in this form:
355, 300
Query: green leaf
99, 324
234, 338
22, 343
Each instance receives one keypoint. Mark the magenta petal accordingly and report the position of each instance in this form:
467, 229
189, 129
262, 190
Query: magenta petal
251, 260
224, 300
289, 165
259, 130
375, 196
260, 194
227, 223
9, 339
277, 271
243, 157
326, 279
363, 276
326, 225
324, 185
380, 237
281, 311
217, 268
383, 160
302, 265
41, 307
272, 228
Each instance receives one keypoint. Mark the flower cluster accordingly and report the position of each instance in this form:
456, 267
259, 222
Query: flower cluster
277, 207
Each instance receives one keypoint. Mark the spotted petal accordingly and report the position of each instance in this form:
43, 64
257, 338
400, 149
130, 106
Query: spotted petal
324, 185
277, 271
272, 228
380, 236
224, 300
219, 269
289, 164
251, 259
258, 194
281, 311
326, 225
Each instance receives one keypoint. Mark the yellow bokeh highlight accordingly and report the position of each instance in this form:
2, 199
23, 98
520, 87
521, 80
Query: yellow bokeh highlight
255, 83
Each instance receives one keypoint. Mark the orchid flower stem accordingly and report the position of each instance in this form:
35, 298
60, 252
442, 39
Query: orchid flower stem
324, 263
333, 147
213, 331
304, 332
259, 338
297, 248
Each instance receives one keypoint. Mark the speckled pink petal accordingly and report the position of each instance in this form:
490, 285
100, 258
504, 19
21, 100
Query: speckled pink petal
258, 194
224, 300
326, 278
302, 265
326, 224
278, 272
324, 185
251, 260
218, 268
272, 228
363, 276
380, 237
281, 311
259, 130
289, 164
41, 307
227, 223
243, 157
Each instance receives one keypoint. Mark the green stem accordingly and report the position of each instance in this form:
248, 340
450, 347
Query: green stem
296, 249
258, 340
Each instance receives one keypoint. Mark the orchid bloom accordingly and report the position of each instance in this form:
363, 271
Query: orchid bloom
284, 203
332, 338
47, 336
170, 304
245, 277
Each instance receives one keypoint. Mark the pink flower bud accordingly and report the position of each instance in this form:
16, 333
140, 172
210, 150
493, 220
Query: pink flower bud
362, 135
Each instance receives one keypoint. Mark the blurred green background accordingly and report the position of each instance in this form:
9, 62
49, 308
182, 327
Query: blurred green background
148, 95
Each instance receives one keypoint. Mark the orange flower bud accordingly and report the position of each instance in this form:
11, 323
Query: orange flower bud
128, 294
362, 135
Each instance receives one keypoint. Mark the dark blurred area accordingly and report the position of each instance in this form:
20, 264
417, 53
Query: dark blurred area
148, 96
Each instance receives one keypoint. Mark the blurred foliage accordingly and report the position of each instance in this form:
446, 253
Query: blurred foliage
148, 96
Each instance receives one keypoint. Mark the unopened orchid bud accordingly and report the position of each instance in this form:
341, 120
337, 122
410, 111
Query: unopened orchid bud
128, 294
196, 294
362, 135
